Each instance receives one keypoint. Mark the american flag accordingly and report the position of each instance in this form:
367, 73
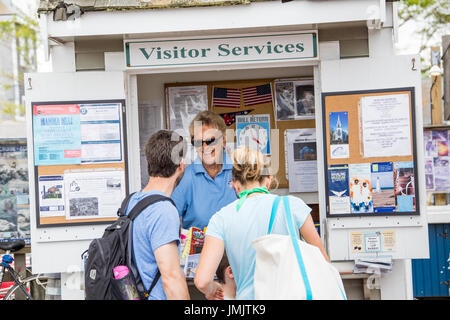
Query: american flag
224, 97
257, 95
230, 117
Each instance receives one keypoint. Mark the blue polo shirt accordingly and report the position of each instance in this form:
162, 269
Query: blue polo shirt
198, 196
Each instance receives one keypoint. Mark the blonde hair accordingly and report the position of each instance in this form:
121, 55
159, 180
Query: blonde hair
250, 165
211, 119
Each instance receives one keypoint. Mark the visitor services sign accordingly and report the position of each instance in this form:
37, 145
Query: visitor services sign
221, 50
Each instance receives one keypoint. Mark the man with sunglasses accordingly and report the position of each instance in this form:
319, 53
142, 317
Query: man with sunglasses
206, 185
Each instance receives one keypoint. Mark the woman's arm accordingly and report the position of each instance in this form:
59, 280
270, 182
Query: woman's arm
309, 233
210, 257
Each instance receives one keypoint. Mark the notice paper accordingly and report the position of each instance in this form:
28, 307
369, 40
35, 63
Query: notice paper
56, 134
51, 196
101, 132
302, 160
386, 126
94, 194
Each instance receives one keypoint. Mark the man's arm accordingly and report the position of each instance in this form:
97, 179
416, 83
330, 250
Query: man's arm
173, 280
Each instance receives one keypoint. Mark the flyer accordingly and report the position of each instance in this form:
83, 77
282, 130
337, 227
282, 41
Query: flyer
101, 132
404, 186
386, 126
253, 131
339, 193
339, 147
51, 196
360, 188
302, 160
93, 194
383, 187
56, 134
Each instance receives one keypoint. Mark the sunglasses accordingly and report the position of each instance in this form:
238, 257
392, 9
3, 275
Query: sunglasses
209, 142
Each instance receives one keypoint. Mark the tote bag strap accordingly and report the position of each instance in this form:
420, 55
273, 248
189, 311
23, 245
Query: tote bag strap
273, 214
293, 235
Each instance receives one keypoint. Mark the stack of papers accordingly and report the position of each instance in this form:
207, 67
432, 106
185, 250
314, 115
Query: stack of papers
382, 264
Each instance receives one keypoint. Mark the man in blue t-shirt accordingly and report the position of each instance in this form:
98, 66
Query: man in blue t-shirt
156, 231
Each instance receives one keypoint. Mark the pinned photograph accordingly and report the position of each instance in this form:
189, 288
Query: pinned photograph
304, 100
83, 207
339, 147
404, 186
304, 151
383, 187
285, 100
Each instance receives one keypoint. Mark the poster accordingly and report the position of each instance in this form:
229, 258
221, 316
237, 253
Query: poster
440, 139
372, 242
339, 192
101, 132
389, 240
430, 144
356, 242
386, 126
184, 104
51, 196
14, 193
284, 100
302, 160
404, 186
304, 99
383, 187
56, 134
441, 167
339, 147
429, 174
360, 188
253, 131
93, 194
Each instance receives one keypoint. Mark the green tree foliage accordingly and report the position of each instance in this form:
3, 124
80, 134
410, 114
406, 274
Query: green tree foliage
24, 31
431, 19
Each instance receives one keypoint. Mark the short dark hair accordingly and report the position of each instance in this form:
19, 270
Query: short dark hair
161, 151
220, 272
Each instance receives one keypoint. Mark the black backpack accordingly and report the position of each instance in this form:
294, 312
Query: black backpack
114, 248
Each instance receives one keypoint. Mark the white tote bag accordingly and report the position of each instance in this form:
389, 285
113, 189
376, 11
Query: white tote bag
291, 269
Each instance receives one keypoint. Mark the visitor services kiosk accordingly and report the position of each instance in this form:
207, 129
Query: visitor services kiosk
340, 116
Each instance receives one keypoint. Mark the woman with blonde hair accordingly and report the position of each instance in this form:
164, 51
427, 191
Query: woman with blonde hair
233, 228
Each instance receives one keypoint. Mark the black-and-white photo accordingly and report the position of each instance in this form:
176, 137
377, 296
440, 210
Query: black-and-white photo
284, 98
113, 184
83, 207
304, 100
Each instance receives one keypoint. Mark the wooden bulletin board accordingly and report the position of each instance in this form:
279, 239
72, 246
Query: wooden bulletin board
85, 166
341, 102
264, 108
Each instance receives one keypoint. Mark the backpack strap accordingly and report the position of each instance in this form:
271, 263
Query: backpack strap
144, 203
134, 213
123, 208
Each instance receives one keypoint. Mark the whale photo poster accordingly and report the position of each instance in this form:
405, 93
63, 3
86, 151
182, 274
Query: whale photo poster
338, 185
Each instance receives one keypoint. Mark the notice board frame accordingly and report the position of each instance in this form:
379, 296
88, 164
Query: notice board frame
124, 161
325, 111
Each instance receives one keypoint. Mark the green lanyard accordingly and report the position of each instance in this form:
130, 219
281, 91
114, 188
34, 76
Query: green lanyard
243, 195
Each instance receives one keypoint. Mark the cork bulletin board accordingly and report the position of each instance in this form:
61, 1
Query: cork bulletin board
79, 161
370, 153
258, 109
